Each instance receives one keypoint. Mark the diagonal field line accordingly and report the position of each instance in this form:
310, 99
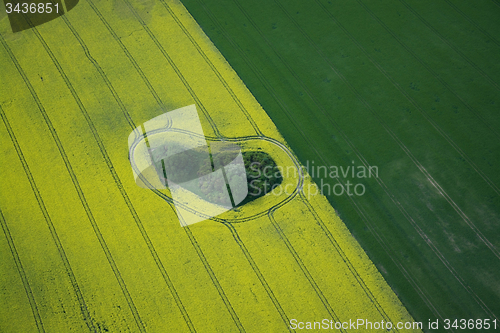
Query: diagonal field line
174, 67
216, 131
69, 168
127, 200
471, 21
193, 240
304, 269
453, 47
13, 250
116, 177
194, 96
55, 237
430, 70
401, 208
129, 56
411, 100
213, 68
431, 179
259, 274
259, 133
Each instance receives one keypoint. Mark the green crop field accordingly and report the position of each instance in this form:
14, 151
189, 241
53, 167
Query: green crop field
412, 87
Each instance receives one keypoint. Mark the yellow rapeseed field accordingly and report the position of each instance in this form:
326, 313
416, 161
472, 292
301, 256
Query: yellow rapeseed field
83, 248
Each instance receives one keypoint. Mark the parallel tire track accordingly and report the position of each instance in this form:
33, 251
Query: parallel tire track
115, 176
260, 276
216, 131
414, 103
471, 21
132, 61
213, 68
453, 47
71, 172
15, 255
129, 119
346, 259
143, 76
430, 70
238, 240
213, 277
233, 230
174, 67
303, 268
400, 207
69, 271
